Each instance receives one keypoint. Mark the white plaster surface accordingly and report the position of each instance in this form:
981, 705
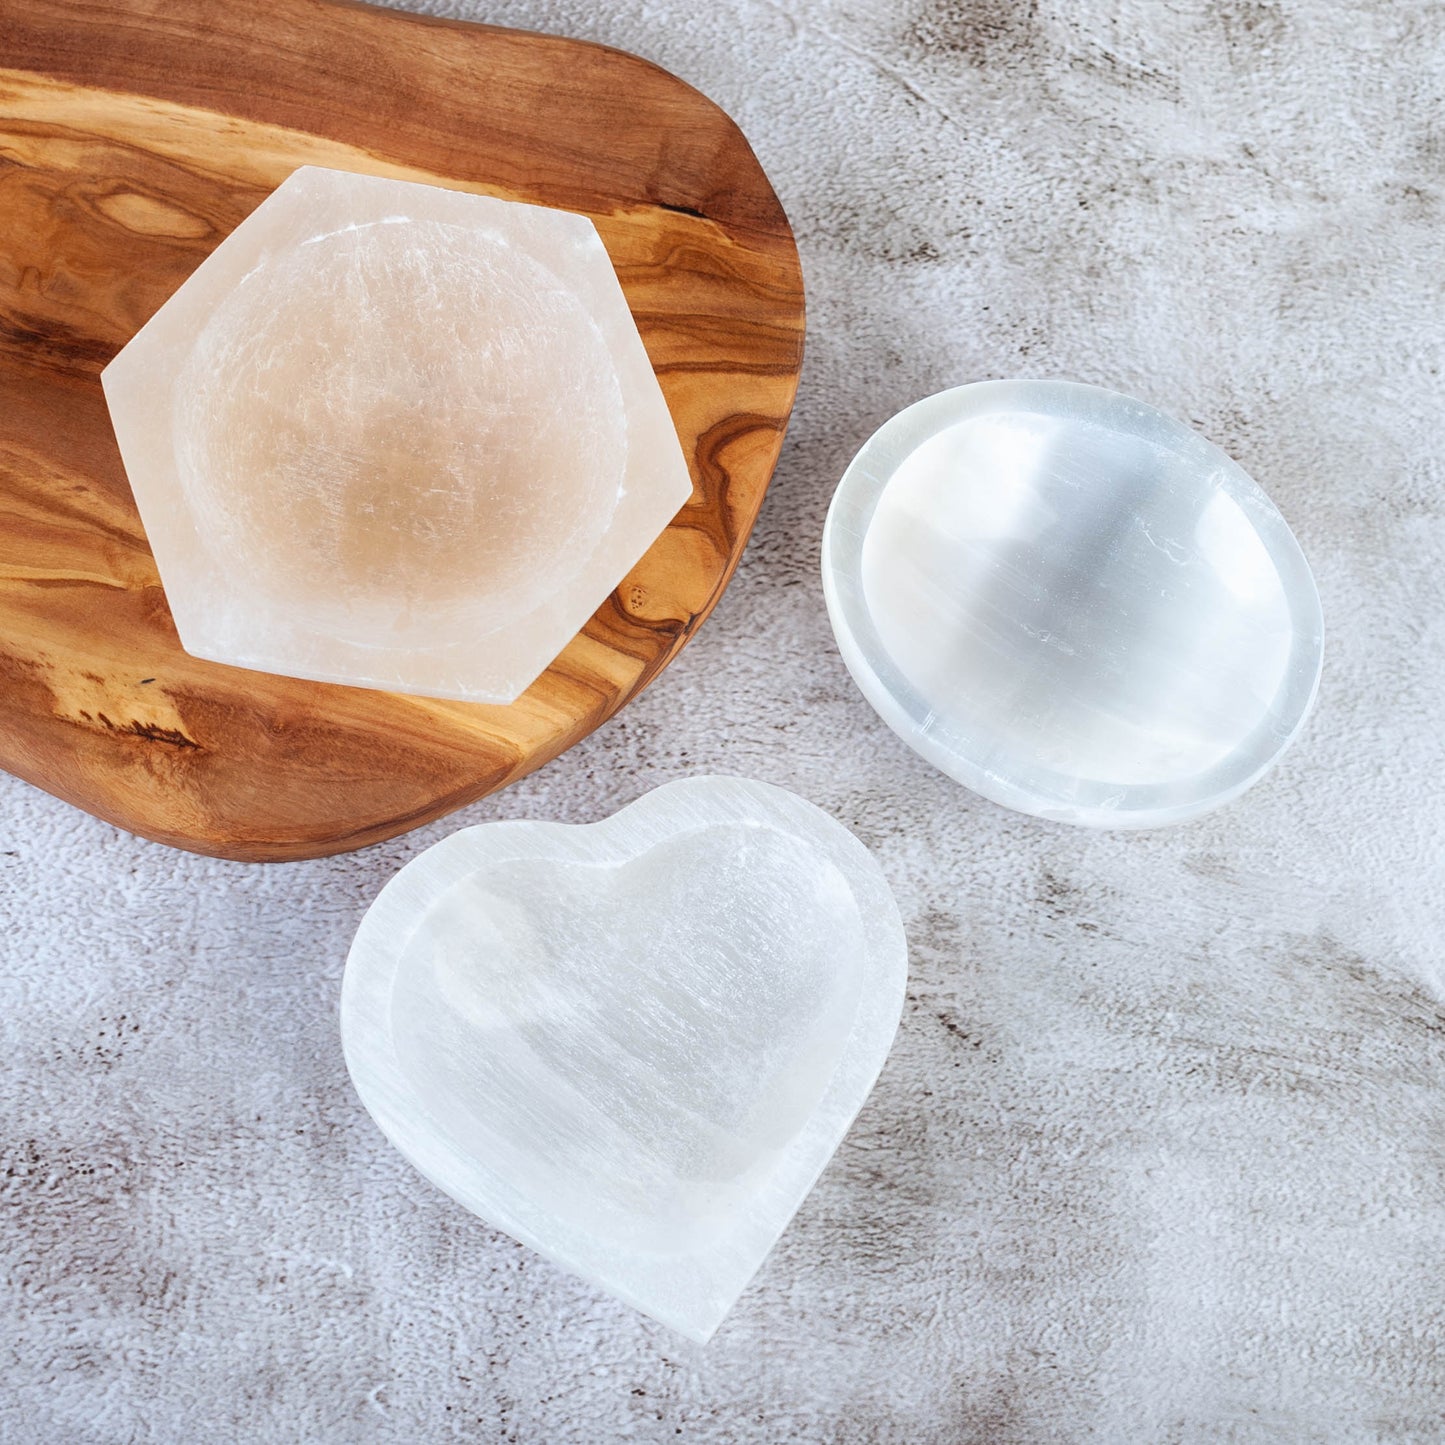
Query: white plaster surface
1159, 1152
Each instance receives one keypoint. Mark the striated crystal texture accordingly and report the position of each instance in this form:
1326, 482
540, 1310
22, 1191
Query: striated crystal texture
397, 436
1071, 603
632, 1045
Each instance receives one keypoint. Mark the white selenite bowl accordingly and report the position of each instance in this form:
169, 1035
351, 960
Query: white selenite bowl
1071, 603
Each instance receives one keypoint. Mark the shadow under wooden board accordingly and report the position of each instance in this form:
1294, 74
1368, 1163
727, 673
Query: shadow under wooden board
133, 138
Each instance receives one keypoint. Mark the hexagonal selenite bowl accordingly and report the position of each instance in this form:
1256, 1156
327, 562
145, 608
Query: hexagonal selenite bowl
1071, 603
397, 436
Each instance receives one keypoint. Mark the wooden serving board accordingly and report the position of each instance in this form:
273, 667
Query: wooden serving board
134, 135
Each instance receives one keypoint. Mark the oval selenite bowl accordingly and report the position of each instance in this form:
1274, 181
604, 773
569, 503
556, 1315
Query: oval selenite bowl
1071, 603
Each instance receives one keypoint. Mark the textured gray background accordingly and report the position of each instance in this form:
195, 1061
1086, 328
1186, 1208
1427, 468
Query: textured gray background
1160, 1151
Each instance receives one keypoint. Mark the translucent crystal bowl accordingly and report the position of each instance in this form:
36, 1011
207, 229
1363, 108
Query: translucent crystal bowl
397, 436
633, 1044
1071, 603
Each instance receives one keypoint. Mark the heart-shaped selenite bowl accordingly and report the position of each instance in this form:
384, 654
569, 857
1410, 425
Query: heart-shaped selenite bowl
1071, 603
632, 1045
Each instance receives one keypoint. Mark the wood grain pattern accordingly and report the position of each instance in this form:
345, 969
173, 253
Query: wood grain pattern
134, 136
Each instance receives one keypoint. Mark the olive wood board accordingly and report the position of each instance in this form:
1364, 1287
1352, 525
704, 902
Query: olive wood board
134, 136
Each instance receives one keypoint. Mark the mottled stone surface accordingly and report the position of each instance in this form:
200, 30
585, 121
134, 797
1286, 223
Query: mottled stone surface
1157, 1152
396, 436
